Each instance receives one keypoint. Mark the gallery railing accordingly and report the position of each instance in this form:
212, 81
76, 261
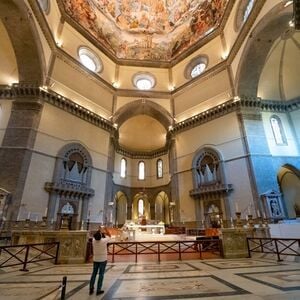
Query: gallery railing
159, 248
274, 246
26, 254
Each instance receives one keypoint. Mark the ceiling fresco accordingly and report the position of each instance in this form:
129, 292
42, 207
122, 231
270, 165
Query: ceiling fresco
156, 30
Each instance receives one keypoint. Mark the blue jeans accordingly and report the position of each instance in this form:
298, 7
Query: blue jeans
98, 265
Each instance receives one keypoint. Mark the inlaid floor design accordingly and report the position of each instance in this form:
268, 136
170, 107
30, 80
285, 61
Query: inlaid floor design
191, 279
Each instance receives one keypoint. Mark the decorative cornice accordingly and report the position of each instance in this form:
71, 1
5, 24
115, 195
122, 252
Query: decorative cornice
28, 91
69, 188
232, 105
205, 192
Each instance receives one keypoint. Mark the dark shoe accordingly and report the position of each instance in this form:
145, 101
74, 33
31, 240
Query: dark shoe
99, 292
91, 291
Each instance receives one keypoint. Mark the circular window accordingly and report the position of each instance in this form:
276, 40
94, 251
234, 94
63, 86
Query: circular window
243, 12
89, 59
196, 67
144, 81
45, 5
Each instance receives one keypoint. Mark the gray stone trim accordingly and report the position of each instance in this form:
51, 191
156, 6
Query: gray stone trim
232, 106
206, 192
140, 154
51, 97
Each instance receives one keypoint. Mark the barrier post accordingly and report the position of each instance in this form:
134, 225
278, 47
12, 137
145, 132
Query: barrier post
63, 290
25, 260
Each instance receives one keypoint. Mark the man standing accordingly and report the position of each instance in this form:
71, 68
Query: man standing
99, 259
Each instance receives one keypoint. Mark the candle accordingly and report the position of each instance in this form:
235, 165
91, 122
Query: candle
264, 215
46, 212
52, 221
249, 211
18, 217
236, 207
28, 217
258, 214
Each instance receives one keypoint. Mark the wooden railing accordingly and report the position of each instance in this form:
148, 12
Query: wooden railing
274, 246
26, 254
159, 248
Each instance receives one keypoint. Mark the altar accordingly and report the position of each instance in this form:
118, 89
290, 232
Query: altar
151, 228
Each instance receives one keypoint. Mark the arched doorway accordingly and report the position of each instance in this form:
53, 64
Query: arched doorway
121, 209
289, 182
162, 213
141, 207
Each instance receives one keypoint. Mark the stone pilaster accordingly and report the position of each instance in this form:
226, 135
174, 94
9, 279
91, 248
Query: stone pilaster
16, 149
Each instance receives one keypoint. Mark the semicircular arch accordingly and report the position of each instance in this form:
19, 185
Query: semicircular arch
257, 48
24, 37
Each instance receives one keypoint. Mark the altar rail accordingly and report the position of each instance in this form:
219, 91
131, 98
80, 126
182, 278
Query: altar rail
26, 254
274, 246
165, 247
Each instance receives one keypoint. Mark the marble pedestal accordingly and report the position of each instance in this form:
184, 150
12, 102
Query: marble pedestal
234, 242
72, 248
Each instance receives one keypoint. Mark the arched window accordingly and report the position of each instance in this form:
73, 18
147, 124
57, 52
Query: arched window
123, 168
278, 131
159, 168
141, 170
141, 207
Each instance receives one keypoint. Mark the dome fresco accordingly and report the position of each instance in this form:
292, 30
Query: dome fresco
146, 29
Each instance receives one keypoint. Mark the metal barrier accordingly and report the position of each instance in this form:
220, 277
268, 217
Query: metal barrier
60, 290
164, 247
274, 246
30, 253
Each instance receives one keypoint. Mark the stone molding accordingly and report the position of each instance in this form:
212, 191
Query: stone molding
74, 189
205, 192
22, 91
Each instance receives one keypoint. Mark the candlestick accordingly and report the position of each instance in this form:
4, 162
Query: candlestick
236, 207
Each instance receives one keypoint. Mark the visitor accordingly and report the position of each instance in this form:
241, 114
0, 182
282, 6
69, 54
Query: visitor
99, 259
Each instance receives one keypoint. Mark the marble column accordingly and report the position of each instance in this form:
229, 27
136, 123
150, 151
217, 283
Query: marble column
17, 147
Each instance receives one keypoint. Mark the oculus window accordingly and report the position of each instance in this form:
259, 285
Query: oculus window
45, 6
278, 131
141, 175
243, 12
89, 59
123, 168
159, 168
196, 67
144, 81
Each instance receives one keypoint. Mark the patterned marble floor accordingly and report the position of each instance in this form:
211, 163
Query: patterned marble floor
256, 278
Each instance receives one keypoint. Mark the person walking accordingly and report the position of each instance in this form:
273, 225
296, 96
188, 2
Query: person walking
99, 259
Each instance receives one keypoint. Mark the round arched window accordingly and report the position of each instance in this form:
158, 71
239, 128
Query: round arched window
144, 81
45, 5
196, 67
243, 12
89, 59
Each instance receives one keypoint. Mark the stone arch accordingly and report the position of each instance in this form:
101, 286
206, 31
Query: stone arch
143, 107
25, 40
71, 184
162, 203
260, 41
216, 160
66, 151
121, 201
288, 178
